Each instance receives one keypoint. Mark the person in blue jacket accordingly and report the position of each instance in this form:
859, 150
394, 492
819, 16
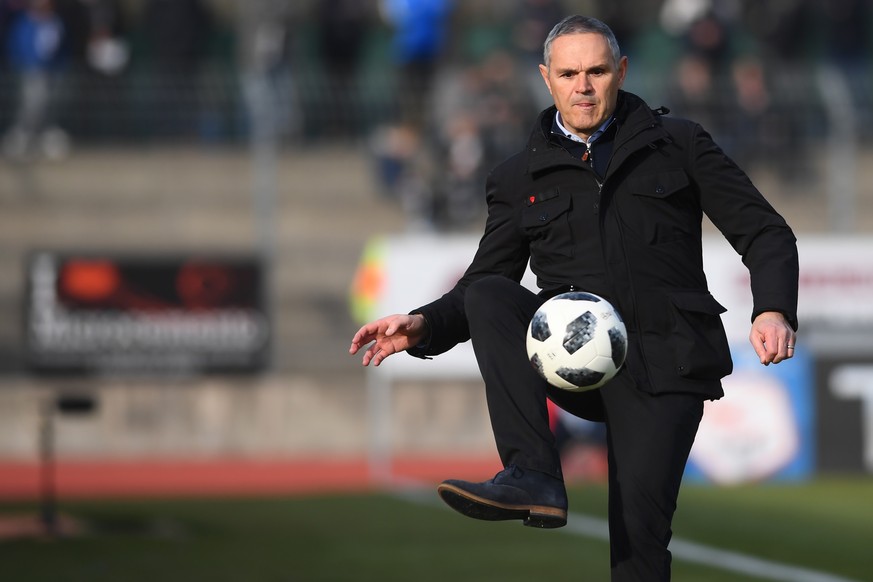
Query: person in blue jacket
35, 53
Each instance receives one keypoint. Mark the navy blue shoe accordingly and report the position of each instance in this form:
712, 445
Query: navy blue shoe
538, 499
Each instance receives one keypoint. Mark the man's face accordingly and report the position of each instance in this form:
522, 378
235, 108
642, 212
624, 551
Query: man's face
583, 81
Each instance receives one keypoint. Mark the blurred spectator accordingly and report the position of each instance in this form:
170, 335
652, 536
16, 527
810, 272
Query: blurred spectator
34, 51
98, 49
342, 28
404, 169
704, 27
480, 136
459, 147
785, 29
175, 36
506, 106
420, 28
107, 50
403, 150
531, 24
264, 29
759, 128
10, 10
480, 115
723, 84
846, 28
694, 94
176, 33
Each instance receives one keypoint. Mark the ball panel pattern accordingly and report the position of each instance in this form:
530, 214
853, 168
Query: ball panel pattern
539, 327
618, 344
580, 296
580, 377
579, 332
577, 341
537, 363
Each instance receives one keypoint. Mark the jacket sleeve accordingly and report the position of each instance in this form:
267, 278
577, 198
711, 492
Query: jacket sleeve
503, 250
750, 224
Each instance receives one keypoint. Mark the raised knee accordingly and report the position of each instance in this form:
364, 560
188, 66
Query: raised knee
483, 292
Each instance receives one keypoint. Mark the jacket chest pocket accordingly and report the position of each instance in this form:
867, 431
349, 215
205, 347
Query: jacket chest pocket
546, 222
664, 209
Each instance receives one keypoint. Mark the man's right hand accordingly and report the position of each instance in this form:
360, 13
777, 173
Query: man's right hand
389, 335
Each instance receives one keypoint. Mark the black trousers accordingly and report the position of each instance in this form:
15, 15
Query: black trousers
649, 436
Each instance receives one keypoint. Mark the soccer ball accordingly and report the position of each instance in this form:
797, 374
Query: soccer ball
577, 341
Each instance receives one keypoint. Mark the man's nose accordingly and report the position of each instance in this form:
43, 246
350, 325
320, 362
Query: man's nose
583, 84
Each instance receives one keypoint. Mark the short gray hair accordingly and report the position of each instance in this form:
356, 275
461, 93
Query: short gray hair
577, 24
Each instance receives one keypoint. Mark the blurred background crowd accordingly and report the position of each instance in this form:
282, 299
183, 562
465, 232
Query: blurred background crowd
438, 90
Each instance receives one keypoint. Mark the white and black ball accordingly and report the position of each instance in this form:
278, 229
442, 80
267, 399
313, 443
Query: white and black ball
577, 341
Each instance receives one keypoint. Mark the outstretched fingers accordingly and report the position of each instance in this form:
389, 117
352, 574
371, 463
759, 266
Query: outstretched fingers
381, 338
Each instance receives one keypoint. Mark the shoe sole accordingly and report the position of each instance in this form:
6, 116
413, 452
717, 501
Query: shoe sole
541, 516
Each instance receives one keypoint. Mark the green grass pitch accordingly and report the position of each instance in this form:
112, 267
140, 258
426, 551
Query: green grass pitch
825, 525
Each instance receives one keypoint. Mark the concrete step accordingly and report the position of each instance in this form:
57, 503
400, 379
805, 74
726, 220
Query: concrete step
324, 208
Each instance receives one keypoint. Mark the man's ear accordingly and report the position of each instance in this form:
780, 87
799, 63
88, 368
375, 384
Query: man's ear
544, 71
622, 70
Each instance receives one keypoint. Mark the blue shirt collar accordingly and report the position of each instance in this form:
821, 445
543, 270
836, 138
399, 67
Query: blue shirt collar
558, 128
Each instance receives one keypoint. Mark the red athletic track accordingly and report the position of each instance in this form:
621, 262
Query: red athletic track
226, 477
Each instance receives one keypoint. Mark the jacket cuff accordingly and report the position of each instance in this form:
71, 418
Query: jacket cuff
789, 317
420, 350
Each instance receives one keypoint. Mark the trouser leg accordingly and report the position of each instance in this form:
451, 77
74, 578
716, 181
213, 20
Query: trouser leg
649, 439
498, 312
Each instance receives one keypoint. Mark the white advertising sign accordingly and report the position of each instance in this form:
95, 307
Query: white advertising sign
836, 284
751, 435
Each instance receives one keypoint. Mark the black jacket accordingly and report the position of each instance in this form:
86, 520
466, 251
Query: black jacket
664, 174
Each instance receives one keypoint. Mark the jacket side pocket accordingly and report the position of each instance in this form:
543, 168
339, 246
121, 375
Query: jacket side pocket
700, 343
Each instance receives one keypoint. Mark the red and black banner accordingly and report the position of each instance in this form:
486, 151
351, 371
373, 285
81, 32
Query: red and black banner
146, 314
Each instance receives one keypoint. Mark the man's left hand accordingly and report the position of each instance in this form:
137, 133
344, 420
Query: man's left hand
772, 337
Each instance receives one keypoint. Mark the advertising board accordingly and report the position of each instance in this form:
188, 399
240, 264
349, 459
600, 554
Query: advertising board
105, 313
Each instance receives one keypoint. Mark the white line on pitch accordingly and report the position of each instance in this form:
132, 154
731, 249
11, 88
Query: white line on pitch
681, 549
712, 557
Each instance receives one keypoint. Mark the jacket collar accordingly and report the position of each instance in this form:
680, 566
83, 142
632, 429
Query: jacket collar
638, 127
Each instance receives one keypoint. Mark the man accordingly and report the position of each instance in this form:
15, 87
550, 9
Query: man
608, 197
